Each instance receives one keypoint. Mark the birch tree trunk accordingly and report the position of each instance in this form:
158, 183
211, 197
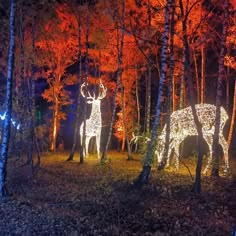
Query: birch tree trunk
170, 78
7, 121
144, 175
219, 92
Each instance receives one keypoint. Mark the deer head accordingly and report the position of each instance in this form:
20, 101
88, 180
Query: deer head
93, 99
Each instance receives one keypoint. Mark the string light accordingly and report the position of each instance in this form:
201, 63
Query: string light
94, 123
17, 126
135, 138
182, 125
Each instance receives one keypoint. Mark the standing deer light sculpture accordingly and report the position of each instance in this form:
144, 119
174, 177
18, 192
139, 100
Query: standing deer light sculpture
182, 125
93, 125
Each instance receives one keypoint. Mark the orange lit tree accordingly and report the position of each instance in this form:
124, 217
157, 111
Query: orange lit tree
230, 61
57, 49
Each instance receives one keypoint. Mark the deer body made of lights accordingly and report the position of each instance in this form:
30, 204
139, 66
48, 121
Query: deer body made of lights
93, 125
182, 125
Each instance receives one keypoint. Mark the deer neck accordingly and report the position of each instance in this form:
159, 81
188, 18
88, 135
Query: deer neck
96, 113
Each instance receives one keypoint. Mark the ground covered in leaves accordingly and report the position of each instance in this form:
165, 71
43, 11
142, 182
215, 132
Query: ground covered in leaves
66, 198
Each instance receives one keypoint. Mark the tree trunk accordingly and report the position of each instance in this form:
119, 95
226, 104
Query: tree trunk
170, 79
182, 82
33, 110
55, 125
144, 175
83, 149
219, 93
21, 98
148, 101
203, 62
120, 43
173, 94
149, 75
231, 129
71, 157
196, 75
197, 183
7, 121
124, 122
31, 104
138, 105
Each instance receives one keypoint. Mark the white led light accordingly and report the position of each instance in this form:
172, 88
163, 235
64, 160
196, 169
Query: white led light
182, 125
12, 121
94, 123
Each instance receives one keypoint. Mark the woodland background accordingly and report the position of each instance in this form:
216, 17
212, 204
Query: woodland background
60, 44
154, 57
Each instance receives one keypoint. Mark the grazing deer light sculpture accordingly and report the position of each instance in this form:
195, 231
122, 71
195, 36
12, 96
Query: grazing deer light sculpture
182, 125
93, 125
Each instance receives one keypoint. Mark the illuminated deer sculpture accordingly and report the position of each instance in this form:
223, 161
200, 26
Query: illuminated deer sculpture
182, 125
93, 125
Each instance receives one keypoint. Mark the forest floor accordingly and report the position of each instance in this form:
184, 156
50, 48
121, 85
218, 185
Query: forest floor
67, 198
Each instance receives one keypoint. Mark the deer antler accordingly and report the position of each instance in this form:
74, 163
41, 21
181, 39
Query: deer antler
89, 96
103, 93
81, 89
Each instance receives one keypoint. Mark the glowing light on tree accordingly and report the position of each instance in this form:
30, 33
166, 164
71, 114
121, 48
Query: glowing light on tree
138, 138
93, 125
17, 126
182, 125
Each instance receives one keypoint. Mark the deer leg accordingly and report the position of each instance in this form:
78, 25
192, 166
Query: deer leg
86, 145
209, 141
98, 143
225, 147
81, 138
168, 153
176, 150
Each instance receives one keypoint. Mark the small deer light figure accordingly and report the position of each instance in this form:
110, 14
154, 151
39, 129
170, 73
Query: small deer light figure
93, 125
182, 125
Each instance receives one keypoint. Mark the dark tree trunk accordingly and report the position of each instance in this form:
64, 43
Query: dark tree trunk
144, 175
219, 93
32, 100
182, 82
83, 150
232, 123
120, 42
31, 105
71, 157
7, 121
196, 74
197, 183
149, 75
125, 124
203, 63
138, 106
21, 107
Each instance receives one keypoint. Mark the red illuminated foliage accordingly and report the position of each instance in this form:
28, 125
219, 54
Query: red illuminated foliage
57, 49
